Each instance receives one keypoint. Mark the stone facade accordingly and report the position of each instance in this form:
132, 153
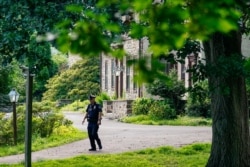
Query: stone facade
246, 46
117, 109
116, 77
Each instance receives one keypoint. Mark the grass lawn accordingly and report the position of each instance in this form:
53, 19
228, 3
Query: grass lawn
63, 136
195, 155
180, 120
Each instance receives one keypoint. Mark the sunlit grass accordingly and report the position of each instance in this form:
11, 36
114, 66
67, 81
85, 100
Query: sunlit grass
38, 143
195, 155
75, 106
180, 120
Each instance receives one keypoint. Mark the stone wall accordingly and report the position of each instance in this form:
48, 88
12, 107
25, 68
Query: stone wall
117, 109
132, 90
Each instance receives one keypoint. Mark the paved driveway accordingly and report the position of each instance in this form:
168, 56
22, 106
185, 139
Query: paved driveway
121, 137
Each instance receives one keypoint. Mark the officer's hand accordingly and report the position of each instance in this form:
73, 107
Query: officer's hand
83, 122
99, 122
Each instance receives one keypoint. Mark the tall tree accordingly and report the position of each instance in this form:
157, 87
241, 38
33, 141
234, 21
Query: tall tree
230, 144
167, 25
20, 24
75, 83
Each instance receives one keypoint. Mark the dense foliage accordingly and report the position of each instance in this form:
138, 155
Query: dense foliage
140, 106
20, 24
172, 89
45, 121
76, 83
161, 110
155, 109
198, 101
167, 25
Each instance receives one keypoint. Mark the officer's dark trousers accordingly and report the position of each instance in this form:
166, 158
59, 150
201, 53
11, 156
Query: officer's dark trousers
93, 135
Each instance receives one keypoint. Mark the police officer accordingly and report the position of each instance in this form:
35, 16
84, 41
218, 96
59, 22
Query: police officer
94, 117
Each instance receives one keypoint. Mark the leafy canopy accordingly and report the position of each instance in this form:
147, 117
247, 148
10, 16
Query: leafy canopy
75, 83
20, 24
166, 25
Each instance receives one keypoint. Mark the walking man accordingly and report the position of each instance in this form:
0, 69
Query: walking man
94, 117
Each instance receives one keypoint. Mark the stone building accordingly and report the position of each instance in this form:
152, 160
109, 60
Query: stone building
117, 79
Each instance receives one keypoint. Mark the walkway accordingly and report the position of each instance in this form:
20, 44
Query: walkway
120, 137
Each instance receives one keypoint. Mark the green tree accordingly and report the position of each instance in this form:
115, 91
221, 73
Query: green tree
167, 25
20, 24
10, 77
76, 83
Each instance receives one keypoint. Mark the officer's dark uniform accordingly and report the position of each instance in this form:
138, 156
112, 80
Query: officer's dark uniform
92, 117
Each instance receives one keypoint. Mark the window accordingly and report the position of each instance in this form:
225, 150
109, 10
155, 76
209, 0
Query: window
112, 73
183, 72
127, 78
106, 75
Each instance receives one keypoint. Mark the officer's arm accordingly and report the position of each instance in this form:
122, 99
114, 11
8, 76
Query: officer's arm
86, 115
99, 115
84, 118
99, 118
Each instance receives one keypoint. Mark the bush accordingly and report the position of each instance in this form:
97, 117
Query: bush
101, 97
199, 110
198, 101
173, 89
44, 121
161, 110
156, 109
141, 106
75, 106
6, 133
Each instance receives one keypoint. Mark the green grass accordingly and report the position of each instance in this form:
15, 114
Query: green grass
180, 120
75, 106
63, 136
195, 155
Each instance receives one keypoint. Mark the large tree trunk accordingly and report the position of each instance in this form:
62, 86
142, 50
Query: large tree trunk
230, 138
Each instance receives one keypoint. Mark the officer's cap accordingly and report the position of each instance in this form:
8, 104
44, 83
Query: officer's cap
91, 96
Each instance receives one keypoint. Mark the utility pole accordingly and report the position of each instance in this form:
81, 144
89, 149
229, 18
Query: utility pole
28, 120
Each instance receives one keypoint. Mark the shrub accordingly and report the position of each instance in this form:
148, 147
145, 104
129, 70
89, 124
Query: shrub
172, 89
6, 132
141, 106
198, 101
101, 97
62, 130
44, 121
161, 110
199, 110
75, 106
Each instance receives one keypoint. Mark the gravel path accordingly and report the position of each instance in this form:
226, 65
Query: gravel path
120, 137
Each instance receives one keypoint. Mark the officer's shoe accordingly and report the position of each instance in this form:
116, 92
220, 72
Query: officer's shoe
92, 149
100, 147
